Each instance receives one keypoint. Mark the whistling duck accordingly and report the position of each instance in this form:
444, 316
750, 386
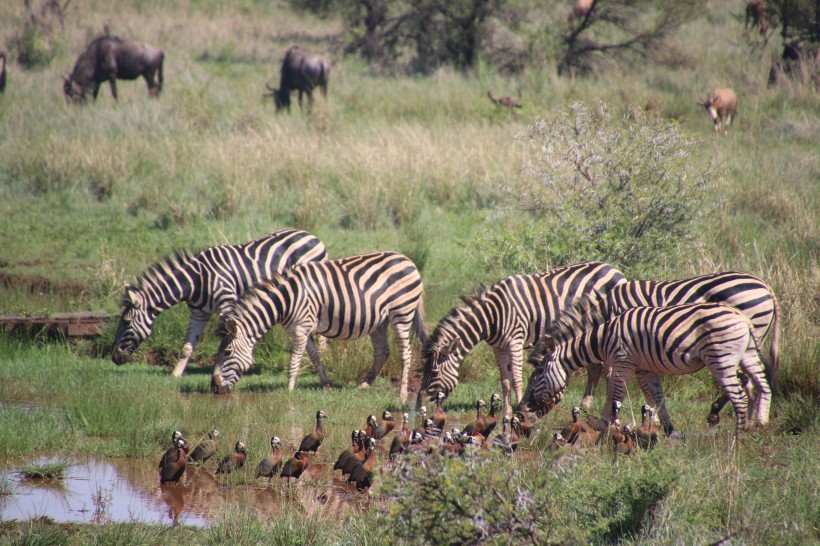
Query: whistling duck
362, 474
621, 440
502, 441
272, 464
206, 448
417, 443
345, 455
439, 417
574, 429
558, 441
172, 466
312, 441
295, 466
431, 432
490, 420
477, 426
525, 427
171, 451
646, 435
386, 427
362, 440
234, 460
402, 439
370, 425
423, 417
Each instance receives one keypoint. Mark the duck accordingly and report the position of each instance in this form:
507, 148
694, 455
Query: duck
386, 427
572, 431
423, 418
477, 426
362, 474
402, 439
312, 441
172, 465
272, 464
439, 417
490, 420
502, 441
206, 448
622, 440
234, 460
357, 457
646, 435
347, 453
294, 466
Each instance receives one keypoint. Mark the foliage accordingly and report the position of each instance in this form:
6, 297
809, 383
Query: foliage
51, 470
628, 190
439, 500
37, 41
433, 32
620, 29
799, 22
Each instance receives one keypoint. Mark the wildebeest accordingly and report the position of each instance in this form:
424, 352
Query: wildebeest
721, 105
301, 71
756, 15
109, 58
2, 72
506, 102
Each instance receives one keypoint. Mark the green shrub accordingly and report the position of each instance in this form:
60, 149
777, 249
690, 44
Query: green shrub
629, 189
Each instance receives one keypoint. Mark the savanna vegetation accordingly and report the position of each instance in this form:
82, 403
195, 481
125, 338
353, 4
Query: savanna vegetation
616, 162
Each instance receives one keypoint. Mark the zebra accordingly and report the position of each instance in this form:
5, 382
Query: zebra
748, 294
509, 316
209, 281
341, 299
647, 342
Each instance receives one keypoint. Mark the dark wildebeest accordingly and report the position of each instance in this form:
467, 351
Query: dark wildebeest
109, 58
2, 72
301, 71
721, 105
756, 15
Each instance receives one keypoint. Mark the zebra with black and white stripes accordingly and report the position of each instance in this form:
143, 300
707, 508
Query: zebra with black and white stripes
340, 299
746, 293
210, 282
648, 342
510, 315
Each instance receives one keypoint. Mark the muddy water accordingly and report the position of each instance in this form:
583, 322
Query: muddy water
121, 490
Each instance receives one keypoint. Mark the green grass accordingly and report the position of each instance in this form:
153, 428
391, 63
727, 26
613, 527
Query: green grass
51, 470
89, 197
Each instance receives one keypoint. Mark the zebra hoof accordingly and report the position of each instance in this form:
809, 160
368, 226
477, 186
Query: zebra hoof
326, 388
364, 385
178, 371
586, 402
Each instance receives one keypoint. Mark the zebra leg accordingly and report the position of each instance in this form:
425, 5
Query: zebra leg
516, 369
726, 376
594, 372
650, 384
196, 325
313, 353
298, 340
381, 350
403, 344
502, 358
752, 365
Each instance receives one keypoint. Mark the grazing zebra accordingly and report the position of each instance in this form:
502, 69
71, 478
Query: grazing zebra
746, 293
341, 299
209, 282
647, 342
509, 316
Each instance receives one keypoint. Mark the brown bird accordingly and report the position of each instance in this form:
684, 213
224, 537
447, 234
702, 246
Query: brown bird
646, 435
206, 448
362, 474
171, 451
386, 427
525, 427
502, 441
515, 431
572, 431
370, 425
234, 460
423, 416
491, 420
272, 464
347, 453
417, 443
622, 441
439, 417
402, 439
356, 458
477, 426
172, 466
295, 466
312, 441
558, 441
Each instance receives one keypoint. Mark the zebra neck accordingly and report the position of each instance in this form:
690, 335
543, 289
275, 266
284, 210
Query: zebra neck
474, 327
171, 284
261, 309
584, 348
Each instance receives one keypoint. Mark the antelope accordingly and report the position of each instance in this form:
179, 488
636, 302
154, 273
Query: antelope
506, 102
756, 13
721, 105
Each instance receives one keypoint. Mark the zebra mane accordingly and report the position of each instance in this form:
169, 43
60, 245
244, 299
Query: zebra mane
588, 311
446, 327
157, 270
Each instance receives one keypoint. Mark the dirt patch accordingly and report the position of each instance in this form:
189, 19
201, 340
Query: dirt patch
34, 284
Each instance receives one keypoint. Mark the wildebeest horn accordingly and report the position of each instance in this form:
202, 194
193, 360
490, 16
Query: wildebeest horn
267, 84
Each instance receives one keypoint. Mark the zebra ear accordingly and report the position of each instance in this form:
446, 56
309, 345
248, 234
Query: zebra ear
230, 327
132, 295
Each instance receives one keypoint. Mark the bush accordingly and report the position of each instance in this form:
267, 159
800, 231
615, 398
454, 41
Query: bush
626, 189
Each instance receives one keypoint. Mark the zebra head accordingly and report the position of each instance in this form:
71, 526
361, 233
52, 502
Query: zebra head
135, 324
234, 358
441, 362
548, 380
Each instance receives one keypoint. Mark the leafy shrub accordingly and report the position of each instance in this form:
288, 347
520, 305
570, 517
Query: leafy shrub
625, 189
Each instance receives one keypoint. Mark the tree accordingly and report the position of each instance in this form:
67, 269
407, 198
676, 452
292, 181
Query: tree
602, 30
799, 22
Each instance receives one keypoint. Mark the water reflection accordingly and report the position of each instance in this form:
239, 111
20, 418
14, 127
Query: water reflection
122, 490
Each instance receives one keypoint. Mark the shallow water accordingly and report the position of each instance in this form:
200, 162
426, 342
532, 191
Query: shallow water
123, 490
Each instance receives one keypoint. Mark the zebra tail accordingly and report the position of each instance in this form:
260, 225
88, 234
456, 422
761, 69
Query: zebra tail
418, 323
768, 369
771, 370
